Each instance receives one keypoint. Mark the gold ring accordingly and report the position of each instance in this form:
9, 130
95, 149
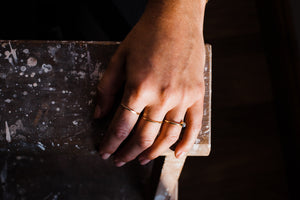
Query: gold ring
153, 121
182, 123
129, 109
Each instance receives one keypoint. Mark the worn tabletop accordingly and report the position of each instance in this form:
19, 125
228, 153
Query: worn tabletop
48, 137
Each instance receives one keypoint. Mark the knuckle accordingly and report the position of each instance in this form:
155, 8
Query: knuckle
194, 94
171, 137
121, 133
137, 91
144, 142
167, 96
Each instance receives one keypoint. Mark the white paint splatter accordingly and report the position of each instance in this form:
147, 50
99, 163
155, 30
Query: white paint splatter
4, 44
81, 74
41, 146
160, 197
7, 132
7, 100
76, 146
196, 147
75, 122
26, 51
95, 74
23, 68
52, 102
52, 51
57, 109
34, 85
32, 74
31, 62
11, 55
25, 93
3, 174
46, 68
3, 75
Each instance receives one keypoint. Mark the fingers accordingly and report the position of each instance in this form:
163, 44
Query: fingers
193, 127
168, 136
110, 84
144, 136
121, 126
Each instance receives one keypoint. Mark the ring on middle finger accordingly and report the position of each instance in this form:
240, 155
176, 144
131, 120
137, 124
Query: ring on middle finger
151, 120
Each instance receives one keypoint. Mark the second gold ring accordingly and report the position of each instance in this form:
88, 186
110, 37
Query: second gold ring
150, 120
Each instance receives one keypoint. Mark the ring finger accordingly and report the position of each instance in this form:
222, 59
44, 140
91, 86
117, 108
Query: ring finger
170, 133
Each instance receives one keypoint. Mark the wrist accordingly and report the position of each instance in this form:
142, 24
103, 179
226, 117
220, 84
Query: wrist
176, 11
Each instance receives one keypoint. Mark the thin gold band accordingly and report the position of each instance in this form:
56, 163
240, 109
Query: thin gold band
182, 123
150, 120
129, 109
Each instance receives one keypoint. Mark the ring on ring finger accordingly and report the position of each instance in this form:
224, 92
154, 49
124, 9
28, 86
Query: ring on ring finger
181, 123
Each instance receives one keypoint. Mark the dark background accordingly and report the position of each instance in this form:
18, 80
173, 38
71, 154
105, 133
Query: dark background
256, 73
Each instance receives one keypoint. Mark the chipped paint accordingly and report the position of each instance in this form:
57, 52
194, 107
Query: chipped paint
41, 146
11, 55
7, 133
31, 61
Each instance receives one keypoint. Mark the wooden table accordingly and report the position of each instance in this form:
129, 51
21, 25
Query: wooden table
49, 139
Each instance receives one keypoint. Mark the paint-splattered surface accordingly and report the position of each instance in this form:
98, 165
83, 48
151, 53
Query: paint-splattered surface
47, 93
48, 138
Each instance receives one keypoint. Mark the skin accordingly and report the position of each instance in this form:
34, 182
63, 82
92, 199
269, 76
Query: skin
160, 65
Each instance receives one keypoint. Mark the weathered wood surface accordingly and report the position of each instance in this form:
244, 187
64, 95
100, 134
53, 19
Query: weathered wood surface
48, 139
47, 93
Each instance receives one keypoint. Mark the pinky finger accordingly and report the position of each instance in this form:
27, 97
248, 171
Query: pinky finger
193, 120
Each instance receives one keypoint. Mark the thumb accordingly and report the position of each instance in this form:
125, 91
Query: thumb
110, 84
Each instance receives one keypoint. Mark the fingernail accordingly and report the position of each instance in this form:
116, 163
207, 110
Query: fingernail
97, 112
105, 156
119, 163
180, 154
144, 161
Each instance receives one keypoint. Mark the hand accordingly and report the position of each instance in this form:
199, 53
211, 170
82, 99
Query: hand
161, 62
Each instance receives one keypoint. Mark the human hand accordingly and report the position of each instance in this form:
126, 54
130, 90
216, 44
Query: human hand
161, 62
